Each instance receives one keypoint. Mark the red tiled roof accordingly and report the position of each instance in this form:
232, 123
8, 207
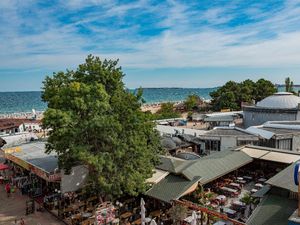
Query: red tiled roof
14, 123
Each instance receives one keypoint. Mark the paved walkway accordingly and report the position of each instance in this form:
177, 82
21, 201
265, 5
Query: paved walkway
14, 207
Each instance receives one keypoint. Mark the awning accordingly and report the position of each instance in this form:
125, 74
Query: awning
281, 157
3, 166
254, 153
32, 157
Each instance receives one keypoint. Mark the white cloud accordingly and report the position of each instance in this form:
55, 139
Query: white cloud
191, 39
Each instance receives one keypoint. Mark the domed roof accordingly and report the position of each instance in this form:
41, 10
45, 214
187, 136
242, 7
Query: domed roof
168, 143
280, 100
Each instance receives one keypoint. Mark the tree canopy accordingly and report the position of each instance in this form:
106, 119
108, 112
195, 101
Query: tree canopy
193, 102
233, 94
166, 111
95, 121
289, 85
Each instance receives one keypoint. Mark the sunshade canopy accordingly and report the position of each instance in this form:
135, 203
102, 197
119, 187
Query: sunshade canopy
3, 166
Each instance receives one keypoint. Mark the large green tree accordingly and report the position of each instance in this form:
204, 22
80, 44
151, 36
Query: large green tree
96, 122
233, 94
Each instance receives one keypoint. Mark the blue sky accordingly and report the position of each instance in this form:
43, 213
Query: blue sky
201, 43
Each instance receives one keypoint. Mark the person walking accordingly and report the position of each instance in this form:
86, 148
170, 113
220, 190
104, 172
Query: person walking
7, 189
22, 222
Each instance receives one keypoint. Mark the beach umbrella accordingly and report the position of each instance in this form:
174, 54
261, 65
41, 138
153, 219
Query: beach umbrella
143, 211
194, 218
153, 222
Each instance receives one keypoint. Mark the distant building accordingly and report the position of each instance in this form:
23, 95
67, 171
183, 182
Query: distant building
281, 106
13, 126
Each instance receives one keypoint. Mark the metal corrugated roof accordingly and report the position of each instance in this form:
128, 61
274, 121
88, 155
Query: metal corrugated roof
284, 179
216, 165
172, 164
262, 192
75, 180
260, 132
273, 210
228, 132
34, 153
157, 176
171, 188
227, 118
179, 130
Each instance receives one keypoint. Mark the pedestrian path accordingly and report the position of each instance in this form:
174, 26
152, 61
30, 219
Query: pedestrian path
14, 207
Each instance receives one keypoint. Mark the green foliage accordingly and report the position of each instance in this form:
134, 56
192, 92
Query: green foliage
247, 199
178, 213
192, 102
166, 111
289, 85
233, 94
95, 121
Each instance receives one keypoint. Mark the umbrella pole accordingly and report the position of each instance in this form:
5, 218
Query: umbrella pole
299, 195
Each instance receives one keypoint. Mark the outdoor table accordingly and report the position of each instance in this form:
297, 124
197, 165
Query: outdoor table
231, 213
76, 217
263, 180
235, 185
126, 215
92, 199
242, 181
221, 197
240, 178
238, 203
259, 185
254, 190
139, 221
229, 189
248, 177
155, 213
86, 215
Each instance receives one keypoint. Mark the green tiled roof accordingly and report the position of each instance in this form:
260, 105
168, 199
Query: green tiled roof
262, 192
171, 188
284, 179
273, 210
186, 173
172, 164
216, 165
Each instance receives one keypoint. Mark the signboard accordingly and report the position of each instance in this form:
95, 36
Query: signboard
37, 171
18, 161
12, 150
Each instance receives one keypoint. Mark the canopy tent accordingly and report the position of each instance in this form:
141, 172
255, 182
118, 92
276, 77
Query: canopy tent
3, 166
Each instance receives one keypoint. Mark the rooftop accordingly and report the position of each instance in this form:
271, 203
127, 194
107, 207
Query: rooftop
228, 132
284, 179
274, 210
34, 154
280, 100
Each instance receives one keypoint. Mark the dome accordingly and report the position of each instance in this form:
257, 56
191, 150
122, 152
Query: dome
280, 100
168, 143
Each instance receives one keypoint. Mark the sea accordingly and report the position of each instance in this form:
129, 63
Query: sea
20, 102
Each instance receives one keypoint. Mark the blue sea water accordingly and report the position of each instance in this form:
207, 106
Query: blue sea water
11, 102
